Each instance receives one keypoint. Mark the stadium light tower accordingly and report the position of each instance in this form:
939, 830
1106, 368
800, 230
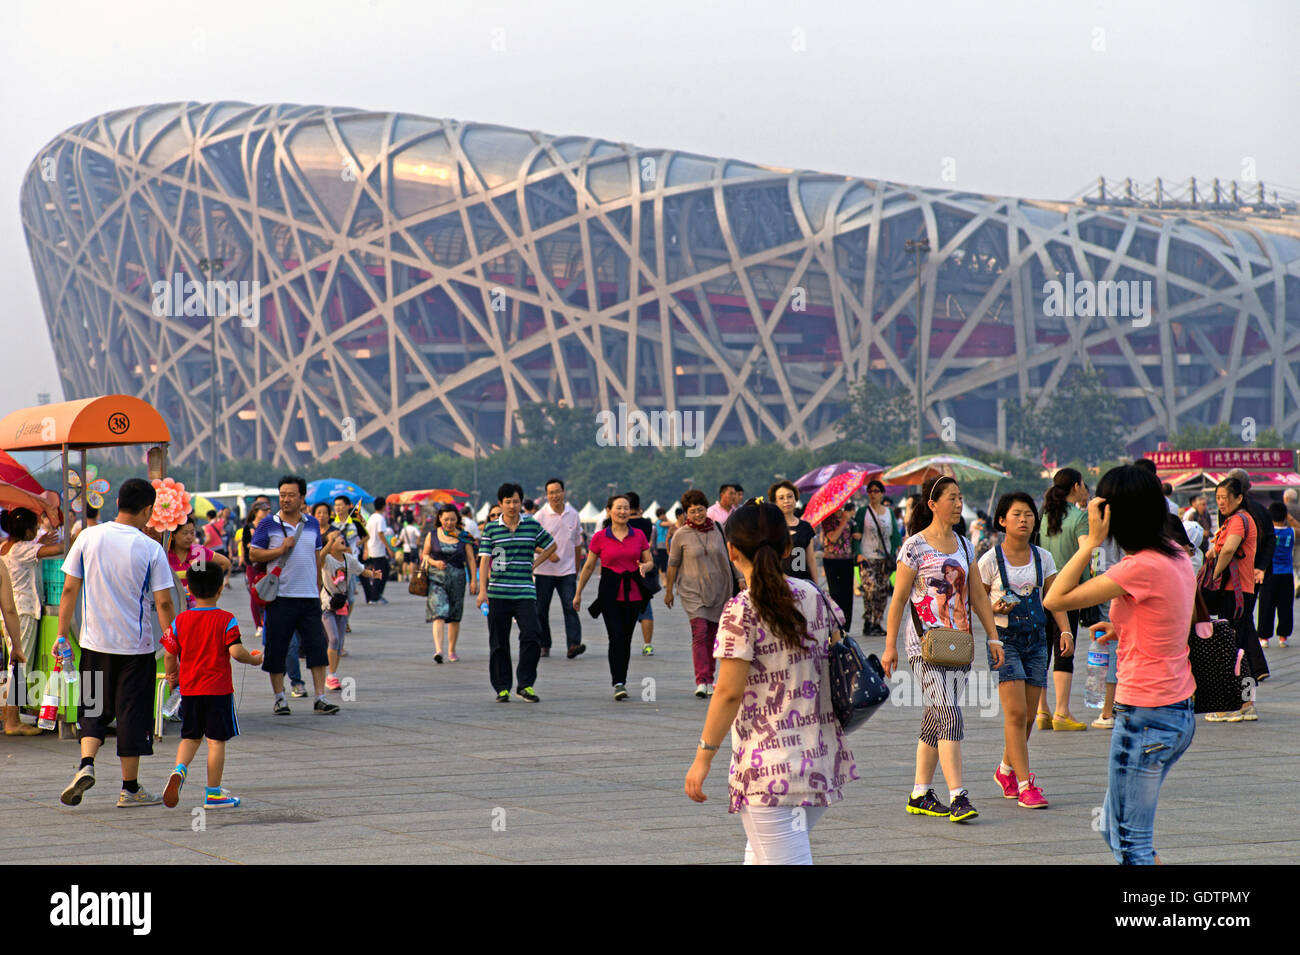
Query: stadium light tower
916, 247
478, 404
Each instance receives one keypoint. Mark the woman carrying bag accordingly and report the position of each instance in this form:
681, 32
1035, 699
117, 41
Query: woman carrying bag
934, 593
873, 530
789, 757
1227, 585
623, 553
446, 553
701, 574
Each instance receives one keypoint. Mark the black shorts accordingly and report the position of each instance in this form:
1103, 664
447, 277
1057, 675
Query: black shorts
209, 717
283, 617
122, 687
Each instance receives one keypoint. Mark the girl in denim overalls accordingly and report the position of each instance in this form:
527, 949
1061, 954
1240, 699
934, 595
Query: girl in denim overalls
1017, 574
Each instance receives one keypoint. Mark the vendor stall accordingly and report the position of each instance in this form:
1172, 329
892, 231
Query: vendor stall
71, 427
1269, 469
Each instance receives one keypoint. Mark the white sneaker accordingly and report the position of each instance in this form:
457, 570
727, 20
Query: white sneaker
258, 633
701, 690
711, 689
1263, 643
141, 797
84, 779
1102, 723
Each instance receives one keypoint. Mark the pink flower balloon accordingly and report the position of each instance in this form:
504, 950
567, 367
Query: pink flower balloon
170, 507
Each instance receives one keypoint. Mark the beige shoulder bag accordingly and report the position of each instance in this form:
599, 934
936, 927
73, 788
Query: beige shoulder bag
946, 646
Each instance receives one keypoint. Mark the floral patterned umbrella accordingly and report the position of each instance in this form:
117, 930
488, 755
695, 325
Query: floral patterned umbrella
919, 470
832, 496
819, 476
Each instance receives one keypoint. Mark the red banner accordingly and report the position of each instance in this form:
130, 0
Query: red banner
1224, 459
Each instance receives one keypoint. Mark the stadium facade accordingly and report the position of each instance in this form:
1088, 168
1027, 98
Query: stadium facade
410, 280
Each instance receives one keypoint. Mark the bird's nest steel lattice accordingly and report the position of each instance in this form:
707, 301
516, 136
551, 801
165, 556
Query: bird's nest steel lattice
418, 278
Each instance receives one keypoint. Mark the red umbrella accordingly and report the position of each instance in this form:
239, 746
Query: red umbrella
11, 472
833, 495
819, 476
13, 496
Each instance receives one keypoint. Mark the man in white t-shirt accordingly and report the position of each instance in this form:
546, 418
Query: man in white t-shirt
112, 571
378, 553
560, 573
278, 541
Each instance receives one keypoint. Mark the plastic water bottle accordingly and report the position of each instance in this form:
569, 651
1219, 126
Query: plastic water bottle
47, 716
1094, 692
63, 654
484, 608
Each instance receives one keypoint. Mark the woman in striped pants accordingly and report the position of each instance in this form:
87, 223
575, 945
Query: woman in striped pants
932, 589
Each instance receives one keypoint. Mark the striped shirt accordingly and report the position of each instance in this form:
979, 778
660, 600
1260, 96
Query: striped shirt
512, 556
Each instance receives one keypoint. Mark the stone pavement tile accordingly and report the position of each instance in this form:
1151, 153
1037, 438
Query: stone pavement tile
412, 769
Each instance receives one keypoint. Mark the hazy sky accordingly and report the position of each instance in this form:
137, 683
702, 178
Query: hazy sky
1034, 98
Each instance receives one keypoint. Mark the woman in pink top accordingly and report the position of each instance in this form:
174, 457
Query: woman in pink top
1152, 592
624, 557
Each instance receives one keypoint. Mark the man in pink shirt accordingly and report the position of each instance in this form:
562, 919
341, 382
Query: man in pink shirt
729, 498
561, 571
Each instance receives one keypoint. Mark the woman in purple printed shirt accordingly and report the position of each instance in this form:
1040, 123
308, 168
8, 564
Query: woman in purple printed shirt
789, 760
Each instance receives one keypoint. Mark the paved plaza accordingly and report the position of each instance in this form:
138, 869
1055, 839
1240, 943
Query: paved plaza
423, 766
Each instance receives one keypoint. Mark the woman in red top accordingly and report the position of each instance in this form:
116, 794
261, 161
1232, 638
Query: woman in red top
1228, 579
624, 556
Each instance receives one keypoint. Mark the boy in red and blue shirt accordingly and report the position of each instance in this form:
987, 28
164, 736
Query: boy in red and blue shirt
200, 644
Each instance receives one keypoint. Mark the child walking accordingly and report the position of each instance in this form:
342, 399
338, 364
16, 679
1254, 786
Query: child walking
1016, 574
199, 644
339, 573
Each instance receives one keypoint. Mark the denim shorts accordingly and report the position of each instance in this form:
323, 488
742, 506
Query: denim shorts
1024, 658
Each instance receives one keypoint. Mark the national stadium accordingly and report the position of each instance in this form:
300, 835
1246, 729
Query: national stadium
386, 281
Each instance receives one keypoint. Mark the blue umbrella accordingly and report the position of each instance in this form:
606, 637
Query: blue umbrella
325, 490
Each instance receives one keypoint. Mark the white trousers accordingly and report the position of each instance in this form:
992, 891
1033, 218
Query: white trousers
778, 835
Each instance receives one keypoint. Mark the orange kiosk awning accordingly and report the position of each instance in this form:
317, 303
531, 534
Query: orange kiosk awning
103, 422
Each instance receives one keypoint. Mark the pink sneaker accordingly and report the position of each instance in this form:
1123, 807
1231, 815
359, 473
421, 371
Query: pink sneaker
332, 682
451, 657
1032, 797
1010, 787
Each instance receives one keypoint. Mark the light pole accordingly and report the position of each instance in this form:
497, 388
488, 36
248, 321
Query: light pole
916, 247
478, 404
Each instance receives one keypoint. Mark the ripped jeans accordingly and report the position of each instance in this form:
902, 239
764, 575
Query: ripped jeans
1145, 744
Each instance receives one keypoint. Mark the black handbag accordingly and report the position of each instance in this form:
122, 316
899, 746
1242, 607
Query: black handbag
1223, 684
857, 681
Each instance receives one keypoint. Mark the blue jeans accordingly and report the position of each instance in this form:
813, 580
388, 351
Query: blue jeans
292, 668
1145, 744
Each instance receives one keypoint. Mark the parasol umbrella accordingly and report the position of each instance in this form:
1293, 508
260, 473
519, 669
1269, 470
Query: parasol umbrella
818, 477
11, 472
919, 470
326, 489
832, 496
11, 495
200, 505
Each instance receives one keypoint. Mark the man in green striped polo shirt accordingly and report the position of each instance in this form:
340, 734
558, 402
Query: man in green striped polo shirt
510, 550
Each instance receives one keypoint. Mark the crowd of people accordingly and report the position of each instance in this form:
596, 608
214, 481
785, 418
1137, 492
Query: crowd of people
764, 593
